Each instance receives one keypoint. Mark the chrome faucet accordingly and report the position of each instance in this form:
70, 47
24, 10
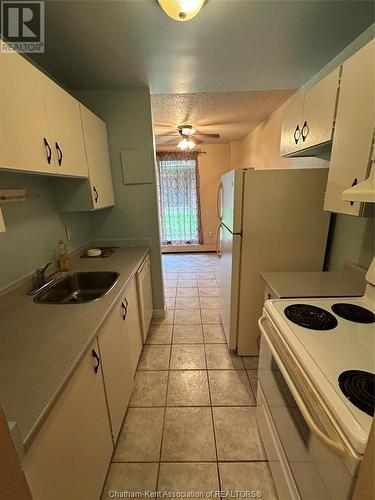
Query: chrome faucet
40, 275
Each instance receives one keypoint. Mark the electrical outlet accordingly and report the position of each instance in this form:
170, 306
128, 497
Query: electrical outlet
68, 233
210, 234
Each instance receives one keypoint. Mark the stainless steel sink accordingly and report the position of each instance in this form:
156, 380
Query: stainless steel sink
76, 288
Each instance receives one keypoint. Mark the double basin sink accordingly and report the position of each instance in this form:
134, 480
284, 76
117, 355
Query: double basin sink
77, 288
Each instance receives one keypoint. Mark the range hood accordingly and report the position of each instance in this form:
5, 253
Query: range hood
364, 191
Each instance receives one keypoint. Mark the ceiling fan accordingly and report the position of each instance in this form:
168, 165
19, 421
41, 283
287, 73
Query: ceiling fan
188, 137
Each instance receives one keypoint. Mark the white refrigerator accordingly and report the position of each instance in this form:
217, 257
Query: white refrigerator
270, 220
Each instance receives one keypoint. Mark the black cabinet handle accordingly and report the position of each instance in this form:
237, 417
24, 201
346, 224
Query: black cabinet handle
305, 131
296, 134
97, 359
124, 310
96, 194
354, 183
59, 154
48, 150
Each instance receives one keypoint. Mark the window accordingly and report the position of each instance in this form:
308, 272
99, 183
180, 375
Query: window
179, 198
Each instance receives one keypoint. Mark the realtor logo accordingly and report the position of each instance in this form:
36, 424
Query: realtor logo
22, 26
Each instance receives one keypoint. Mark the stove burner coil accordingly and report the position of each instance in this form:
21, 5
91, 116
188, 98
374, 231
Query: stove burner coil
354, 313
359, 388
312, 317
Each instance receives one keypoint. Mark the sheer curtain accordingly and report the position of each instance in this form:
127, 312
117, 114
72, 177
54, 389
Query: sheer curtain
179, 198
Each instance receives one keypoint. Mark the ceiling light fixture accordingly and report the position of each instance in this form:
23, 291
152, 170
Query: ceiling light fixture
186, 144
186, 130
181, 10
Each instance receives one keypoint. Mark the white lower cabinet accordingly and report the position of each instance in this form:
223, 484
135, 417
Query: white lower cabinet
115, 347
133, 323
70, 455
146, 307
2, 224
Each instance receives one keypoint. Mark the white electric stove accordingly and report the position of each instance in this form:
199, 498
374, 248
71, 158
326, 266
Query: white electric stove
316, 391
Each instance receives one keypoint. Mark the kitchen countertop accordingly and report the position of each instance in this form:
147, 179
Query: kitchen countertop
42, 344
348, 283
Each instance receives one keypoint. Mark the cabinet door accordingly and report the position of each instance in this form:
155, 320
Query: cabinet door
64, 118
2, 124
354, 129
146, 307
2, 224
25, 138
133, 323
115, 347
69, 457
291, 126
96, 144
319, 111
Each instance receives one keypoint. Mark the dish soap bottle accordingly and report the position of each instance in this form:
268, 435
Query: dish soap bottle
63, 256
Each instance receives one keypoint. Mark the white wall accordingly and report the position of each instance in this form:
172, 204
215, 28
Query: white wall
135, 216
212, 166
261, 148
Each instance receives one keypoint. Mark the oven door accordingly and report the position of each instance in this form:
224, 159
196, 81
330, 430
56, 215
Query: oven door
307, 456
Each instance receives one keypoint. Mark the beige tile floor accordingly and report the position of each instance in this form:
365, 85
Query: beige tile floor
191, 423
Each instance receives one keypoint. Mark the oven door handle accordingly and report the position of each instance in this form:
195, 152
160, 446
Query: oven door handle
326, 440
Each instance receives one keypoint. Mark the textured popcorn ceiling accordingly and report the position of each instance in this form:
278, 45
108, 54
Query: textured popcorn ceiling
231, 114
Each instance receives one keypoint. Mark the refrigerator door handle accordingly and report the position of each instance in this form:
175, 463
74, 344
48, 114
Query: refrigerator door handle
218, 241
219, 202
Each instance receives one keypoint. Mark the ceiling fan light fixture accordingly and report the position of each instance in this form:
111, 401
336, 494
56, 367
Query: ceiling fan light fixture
191, 144
181, 10
187, 130
183, 144
186, 144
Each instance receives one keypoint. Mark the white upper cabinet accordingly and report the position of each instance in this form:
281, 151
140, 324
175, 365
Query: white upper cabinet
308, 122
43, 129
354, 131
64, 119
95, 136
75, 195
319, 109
291, 126
25, 142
